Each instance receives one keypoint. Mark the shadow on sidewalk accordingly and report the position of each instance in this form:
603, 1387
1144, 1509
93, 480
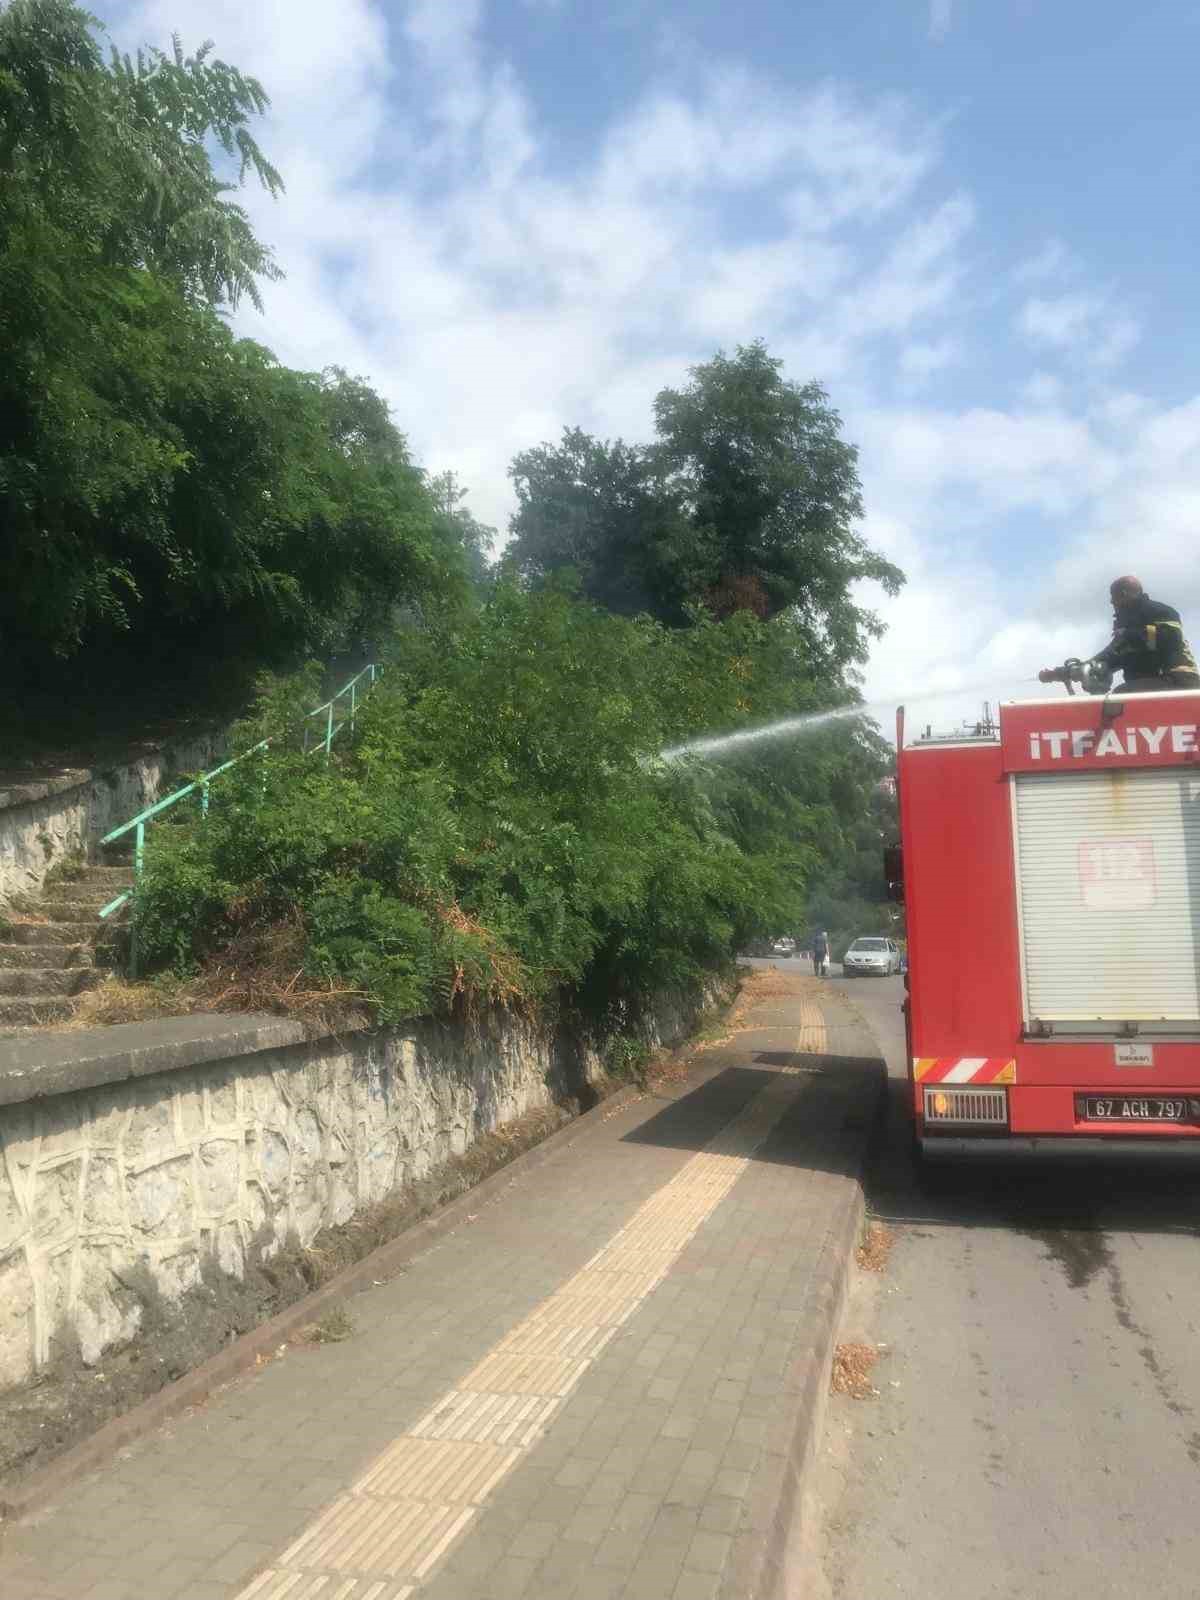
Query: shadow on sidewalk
837, 1100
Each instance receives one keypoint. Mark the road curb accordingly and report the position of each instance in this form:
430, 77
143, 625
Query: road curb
46, 1484
769, 1558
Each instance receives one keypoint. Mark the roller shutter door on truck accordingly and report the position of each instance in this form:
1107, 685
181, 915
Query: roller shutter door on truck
1108, 895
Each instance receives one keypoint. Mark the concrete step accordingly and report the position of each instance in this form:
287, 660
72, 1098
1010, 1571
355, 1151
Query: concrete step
118, 857
28, 1013
106, 870
80, 893
109, 887
24, 956
74, 910
49, 933
52, 982
97, 879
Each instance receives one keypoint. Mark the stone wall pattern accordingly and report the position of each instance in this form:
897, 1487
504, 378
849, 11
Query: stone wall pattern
223, 1159
42, 823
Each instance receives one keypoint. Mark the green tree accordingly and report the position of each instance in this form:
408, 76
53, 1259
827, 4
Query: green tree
117, 155
168, 490
747, 500
773, 488
605, 511
477, 539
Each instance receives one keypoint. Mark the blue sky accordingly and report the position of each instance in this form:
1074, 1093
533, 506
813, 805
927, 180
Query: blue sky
973, 220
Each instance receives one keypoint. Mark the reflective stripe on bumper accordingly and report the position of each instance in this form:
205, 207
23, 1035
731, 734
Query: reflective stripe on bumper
965, 1069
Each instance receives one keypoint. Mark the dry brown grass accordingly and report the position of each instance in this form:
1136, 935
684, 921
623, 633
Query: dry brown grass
332, 1328
506, 985
667, 1067
118, 1000
872, 1254
260, 970
263, 970
768, 983
852, 1365
763, 983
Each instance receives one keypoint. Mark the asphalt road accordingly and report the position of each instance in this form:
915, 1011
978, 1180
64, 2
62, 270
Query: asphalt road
1037, 1425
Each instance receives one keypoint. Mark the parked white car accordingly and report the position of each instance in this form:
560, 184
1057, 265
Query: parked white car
784, 947
871, 958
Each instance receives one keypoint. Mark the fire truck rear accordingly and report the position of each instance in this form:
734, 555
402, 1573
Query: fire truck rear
1051, 875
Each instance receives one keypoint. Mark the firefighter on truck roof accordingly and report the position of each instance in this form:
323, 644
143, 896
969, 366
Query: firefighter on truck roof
1147, 645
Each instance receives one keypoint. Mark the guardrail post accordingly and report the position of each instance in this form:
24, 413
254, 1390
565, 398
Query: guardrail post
139, 856
201, 783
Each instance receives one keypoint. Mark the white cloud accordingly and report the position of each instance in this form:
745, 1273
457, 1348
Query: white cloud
953, 640
756, 286
954, 646
920, 360
736, 132
438, 241
963, 630
434, 241
1148, 520
1061, 322
969, 468
919, 275
1083, 324
1119, 408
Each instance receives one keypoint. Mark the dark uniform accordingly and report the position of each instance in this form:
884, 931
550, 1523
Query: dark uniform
1148, 646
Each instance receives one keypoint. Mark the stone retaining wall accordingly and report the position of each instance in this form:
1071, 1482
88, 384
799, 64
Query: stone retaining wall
231, 1155
49, 818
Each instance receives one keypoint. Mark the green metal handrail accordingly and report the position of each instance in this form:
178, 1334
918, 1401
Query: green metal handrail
138, 824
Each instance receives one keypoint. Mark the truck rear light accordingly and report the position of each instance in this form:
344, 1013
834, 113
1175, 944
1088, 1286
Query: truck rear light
945, 1105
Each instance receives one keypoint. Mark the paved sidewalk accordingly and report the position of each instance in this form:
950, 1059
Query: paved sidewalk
586, 1391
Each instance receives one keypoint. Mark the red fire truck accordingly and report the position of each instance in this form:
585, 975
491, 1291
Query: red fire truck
1051, 875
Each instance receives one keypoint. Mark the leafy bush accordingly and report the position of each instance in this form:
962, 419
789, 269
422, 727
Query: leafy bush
502, 826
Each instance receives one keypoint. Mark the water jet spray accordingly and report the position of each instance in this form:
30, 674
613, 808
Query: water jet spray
717, 745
